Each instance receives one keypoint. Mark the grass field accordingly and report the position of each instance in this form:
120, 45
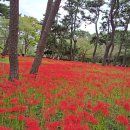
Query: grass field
65, 96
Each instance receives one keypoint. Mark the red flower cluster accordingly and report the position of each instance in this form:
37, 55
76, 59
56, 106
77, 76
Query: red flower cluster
65, 95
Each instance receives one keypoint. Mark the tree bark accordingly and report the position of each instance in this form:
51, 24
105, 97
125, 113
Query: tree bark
48, 9
13, 39
124, 57
126, 40
43, 39
75, 41
71, 40
71, 43
107, 56
119, 52
111, 51
97, 37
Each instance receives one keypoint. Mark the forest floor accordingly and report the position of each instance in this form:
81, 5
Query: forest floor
65, 95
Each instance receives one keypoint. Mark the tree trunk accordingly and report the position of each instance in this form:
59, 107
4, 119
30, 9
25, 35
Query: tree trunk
111, 51
26, 44
83, 55
75, 40
94, 52
48, 9
119, 52
105, 58
43, 39
126, 40
13, 39
124, 57
97, 38
113, 13
113, 25
71, 42
74, 51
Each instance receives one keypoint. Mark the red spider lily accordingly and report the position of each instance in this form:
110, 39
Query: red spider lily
126, 106
75, 127
65, 105
17, 108
122, 120
128, 128
14, 100
103, 107
72, 89
21, 118
71, 120
52, 125
125, 103
2, 103
2, 110
88, 117
5, 128
89, 105
32, 124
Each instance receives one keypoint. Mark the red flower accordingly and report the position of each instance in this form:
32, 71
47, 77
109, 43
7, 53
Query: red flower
52, 125
14, 100
127, 106
128, 128
17, 108
122, 120
21, 118
32, 124
2, 110
72, 119
4, 128
88, 117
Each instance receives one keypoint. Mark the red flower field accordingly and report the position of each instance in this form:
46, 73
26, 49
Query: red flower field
65, 96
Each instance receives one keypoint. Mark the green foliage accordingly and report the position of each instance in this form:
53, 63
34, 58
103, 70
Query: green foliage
4, 10
29, 32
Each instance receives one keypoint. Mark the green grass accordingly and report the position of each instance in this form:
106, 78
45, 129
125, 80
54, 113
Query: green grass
4, 60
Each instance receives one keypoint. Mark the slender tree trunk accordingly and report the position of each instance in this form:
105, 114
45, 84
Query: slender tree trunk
26, 44
22, 48
71, 43
124, 57
119, 52
83, 55
97, 38
105, 58
74, 51
94, 52
113, 14
75, 40
13, 39
111, 51
71, 33
113, 25
43, 39
126, 40
48, 9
